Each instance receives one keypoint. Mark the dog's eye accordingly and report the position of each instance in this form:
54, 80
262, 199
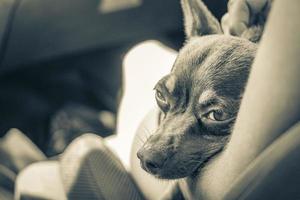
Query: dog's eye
160, 96
217, 115
161, 100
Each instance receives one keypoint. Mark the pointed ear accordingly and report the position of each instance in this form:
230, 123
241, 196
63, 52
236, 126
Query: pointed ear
198, 20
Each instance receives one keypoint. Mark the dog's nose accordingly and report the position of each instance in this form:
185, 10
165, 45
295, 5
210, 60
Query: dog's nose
150, 161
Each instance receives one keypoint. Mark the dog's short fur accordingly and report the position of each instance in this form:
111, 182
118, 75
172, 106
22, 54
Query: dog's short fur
200, 98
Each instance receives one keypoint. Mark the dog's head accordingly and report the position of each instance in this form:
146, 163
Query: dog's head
199, 99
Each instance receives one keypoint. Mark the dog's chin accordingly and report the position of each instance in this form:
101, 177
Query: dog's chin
176, 175
174, 172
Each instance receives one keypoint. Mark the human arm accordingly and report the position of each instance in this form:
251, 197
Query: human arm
271, 101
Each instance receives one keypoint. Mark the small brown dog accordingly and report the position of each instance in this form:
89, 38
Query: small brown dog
200, 98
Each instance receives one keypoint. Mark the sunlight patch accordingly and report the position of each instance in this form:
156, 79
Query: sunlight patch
108, 6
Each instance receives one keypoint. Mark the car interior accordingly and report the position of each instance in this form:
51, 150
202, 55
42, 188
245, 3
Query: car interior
76, 80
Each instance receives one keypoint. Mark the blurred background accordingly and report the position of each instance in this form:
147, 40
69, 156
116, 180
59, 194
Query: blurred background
61, 62
62, 69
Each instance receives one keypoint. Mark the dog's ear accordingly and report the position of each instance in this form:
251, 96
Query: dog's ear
198, 20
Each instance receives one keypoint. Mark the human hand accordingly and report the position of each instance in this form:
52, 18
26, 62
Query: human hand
242, 14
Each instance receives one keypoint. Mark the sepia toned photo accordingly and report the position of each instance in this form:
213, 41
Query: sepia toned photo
149, 100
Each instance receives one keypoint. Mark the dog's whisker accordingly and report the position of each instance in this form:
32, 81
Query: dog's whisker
140, 139
147, 131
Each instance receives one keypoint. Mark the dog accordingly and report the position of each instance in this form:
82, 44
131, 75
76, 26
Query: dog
199, 99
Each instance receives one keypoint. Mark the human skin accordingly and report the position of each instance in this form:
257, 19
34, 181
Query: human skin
271, 101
